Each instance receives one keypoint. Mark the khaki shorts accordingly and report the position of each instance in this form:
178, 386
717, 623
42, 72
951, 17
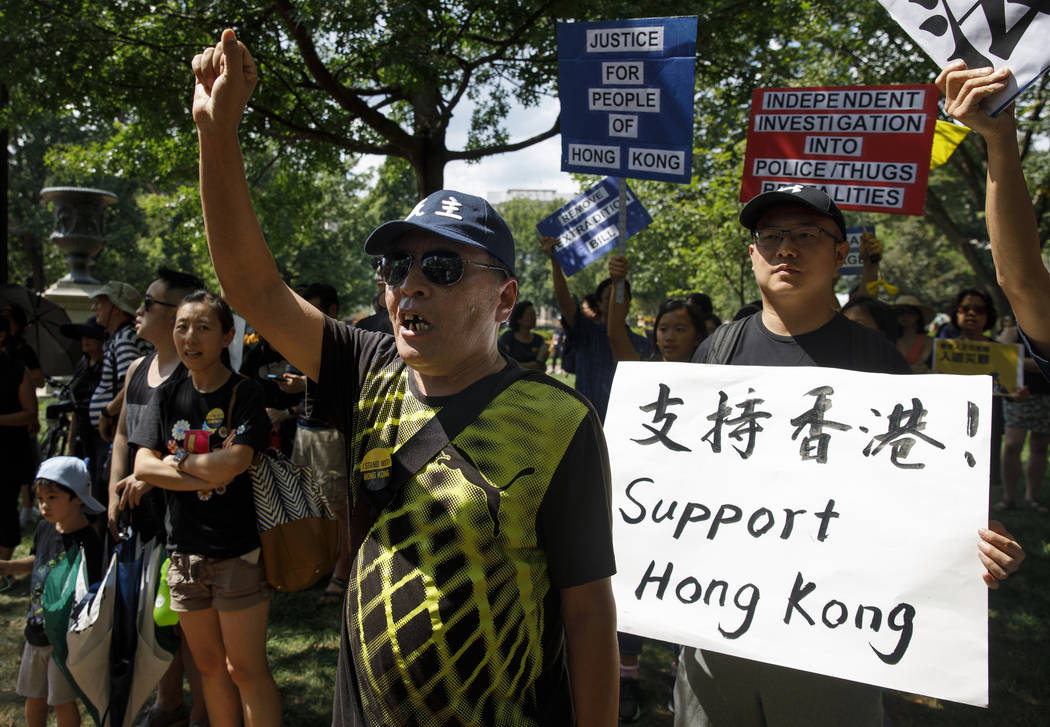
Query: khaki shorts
39, 677
323, 451
225, 584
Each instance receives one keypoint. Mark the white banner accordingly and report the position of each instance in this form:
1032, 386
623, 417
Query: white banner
983, 33
815, 518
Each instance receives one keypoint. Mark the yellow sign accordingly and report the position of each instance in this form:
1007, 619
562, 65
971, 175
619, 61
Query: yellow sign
1002, 361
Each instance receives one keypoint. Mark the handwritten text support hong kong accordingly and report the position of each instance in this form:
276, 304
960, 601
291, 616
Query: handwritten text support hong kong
815, 518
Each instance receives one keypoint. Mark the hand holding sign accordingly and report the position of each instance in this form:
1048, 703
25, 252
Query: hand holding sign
870, 248
981, 34
964, 89
999, 553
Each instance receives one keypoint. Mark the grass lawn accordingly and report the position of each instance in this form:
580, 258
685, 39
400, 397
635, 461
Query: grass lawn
304, 642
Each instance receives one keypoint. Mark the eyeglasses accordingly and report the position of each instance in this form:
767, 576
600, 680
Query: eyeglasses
770, 237
440, 267
977, 309
150, 301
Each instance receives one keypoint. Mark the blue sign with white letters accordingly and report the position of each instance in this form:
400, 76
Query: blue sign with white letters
626, 89
586, 227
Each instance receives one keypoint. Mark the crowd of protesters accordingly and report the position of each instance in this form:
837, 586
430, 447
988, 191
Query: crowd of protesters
168, 430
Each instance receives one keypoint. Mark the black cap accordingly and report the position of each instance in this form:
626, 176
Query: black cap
800, 194
455, 216
89, 328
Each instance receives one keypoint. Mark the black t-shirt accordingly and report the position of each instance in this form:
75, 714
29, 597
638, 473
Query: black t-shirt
454, 613
23, 352
839, 343
312, 414
48, 545
218, 523
522, 352
16, 446
148, 517
378, 322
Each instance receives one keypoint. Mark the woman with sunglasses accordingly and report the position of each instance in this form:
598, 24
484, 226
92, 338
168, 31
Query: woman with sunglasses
197, 441
520, 343
973, 314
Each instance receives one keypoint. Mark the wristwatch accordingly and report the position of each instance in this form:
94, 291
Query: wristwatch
180, 457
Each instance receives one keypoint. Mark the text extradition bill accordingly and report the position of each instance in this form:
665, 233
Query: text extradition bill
868, 147
985, 34
587, 227
815, 518
626, 89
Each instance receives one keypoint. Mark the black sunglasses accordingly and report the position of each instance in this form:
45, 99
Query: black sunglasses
149, 301
440, 267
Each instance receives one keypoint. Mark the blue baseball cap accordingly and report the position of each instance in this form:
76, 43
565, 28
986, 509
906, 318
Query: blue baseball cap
454, 216
71, 473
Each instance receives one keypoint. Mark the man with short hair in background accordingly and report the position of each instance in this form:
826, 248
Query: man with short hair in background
595, 365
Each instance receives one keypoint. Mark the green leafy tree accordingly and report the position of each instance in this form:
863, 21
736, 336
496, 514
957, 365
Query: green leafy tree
696, 242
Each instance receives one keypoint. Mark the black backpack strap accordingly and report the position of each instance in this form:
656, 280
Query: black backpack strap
724, 340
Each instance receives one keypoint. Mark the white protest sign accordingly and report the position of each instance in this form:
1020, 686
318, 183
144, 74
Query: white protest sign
984, 33
816, 518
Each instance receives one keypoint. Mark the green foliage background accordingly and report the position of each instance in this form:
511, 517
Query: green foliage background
100, 93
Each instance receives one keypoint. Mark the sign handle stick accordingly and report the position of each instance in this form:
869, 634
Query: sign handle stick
621, 244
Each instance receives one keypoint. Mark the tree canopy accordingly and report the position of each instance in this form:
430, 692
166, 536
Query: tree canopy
100, 94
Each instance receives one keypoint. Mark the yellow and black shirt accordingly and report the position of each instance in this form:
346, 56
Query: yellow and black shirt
453, 611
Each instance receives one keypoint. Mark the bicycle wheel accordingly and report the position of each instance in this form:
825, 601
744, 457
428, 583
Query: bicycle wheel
54, 441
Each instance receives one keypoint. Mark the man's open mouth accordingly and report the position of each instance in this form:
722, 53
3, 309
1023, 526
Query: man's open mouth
415, 322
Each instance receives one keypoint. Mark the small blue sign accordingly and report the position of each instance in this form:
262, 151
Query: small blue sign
626, 89
853, 264
587, 227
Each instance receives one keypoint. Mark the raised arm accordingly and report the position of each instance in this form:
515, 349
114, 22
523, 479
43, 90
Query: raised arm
561, 288
225, 76
616, 320
1009, 215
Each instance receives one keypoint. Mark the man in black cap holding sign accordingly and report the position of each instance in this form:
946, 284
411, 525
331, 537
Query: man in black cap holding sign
798, 241
480, 593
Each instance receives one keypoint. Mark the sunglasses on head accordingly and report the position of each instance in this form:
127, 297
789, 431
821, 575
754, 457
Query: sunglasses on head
149, 301
441, 267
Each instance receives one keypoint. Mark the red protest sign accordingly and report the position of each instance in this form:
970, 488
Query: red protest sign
868, 147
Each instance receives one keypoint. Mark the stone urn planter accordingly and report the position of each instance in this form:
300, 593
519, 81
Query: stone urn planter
79, 227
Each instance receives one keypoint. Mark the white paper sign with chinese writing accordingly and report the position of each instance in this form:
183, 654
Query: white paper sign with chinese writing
816, 518
984, 33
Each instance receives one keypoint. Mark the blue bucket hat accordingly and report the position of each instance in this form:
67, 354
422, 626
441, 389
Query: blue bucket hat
454, 216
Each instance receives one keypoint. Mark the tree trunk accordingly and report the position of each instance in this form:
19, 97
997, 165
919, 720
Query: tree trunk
429, 167
30, 244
